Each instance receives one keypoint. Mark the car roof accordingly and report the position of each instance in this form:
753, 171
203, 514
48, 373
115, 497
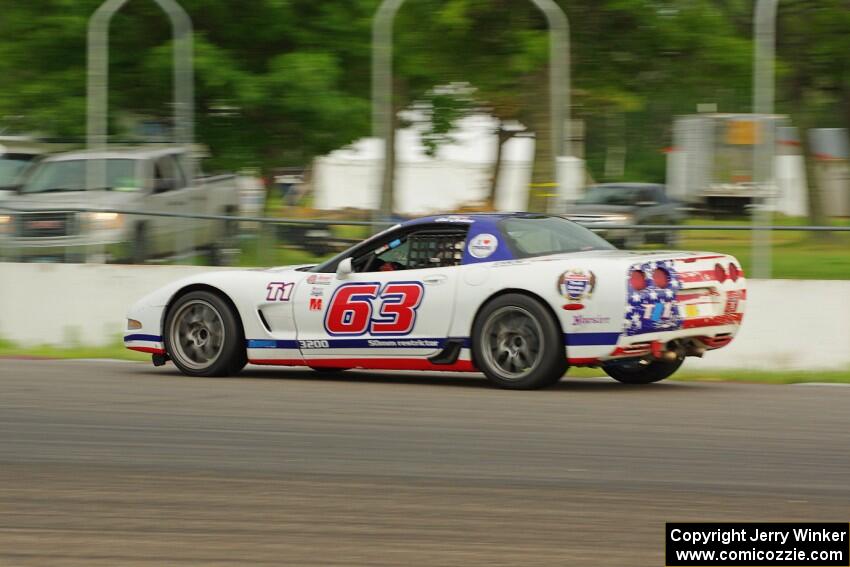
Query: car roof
470, 218
119, 153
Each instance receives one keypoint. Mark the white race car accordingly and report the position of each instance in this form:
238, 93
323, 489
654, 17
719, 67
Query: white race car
519, 297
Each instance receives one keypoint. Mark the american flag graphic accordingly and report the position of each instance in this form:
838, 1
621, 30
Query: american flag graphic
653, 309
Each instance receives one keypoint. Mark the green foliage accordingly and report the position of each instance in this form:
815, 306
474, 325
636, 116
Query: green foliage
280, 81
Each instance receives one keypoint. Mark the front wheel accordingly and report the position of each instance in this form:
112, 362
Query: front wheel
642, 371
203, 336
139, 252
518, 344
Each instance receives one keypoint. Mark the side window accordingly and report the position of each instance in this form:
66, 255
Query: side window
179, 174
167, 175
415, 251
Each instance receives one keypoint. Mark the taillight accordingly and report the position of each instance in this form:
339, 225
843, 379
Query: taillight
734, 272
719, 273
637, 280
661, 278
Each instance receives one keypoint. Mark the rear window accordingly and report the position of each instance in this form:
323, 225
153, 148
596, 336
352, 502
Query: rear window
542, 236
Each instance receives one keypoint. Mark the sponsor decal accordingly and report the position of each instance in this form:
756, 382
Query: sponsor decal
577, 285
733, 301
406, 343
316, 303
320, 279
317, 292
368, 308
454, 219
483, 246
279, 291
652, 308
581, 320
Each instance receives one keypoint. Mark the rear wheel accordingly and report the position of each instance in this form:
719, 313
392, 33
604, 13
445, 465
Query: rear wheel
518, 344
203, 336
642, 371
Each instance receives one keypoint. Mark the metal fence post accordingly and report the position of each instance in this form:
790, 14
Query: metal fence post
98, 85
764, 85
382, 84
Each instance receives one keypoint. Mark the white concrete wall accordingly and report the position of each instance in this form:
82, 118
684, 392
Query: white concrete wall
66, 304
789, 324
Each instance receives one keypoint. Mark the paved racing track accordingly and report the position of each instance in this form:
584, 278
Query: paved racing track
105, 464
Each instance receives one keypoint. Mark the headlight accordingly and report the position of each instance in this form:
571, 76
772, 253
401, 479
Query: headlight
105, 220
5, 224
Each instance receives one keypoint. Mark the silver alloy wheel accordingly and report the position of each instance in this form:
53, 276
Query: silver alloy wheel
513, 342
197, 334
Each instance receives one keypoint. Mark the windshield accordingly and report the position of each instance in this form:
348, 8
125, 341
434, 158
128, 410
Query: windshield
70, 175
616, 195
331, 264
12, 166
541, 236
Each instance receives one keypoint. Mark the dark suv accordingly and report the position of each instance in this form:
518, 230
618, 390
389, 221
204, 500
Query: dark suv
614, 204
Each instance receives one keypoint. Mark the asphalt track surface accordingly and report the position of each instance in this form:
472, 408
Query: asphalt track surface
108, 463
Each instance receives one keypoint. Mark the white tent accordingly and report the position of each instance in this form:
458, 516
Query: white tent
459, 174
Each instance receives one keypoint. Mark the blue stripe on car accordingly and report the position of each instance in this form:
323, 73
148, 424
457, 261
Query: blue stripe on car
591, 339
360, 343
147, 338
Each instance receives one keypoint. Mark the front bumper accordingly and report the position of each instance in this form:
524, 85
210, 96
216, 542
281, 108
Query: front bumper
107, 243
147, 336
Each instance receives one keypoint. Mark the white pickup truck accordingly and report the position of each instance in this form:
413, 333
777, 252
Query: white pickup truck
17, 153
42, 221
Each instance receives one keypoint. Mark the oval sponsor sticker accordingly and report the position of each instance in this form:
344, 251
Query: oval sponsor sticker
483, 246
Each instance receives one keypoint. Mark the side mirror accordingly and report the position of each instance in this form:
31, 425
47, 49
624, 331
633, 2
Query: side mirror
344, 269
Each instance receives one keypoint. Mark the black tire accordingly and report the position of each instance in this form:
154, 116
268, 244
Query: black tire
139, 252
670, 238
230, 353
219, 252
504, 329
642, 372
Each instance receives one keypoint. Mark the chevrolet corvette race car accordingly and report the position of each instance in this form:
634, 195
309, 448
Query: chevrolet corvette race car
519, 297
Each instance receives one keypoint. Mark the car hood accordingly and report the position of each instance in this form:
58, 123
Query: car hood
599, 210
75, 199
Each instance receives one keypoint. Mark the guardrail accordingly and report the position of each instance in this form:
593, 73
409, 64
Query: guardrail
341, 222
256, 236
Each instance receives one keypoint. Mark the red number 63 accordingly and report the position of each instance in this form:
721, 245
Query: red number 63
352, 309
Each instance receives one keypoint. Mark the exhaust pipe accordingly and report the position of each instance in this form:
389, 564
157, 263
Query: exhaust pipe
670, 352
670, 356
695, 348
